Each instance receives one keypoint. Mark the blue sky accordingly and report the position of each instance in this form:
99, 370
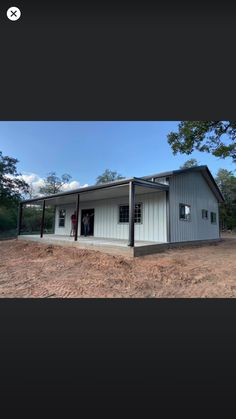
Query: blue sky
86, 149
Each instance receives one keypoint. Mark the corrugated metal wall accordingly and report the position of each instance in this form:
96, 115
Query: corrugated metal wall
192, 189
106, 221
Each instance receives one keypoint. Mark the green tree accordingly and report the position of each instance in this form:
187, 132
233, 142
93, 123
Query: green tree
53, 184
8, 218
108, 176
226, 181
11, 188
189, 163
215, 137
11, 185
32, 217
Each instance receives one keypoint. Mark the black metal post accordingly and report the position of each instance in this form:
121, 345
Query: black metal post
219, 223
77, 217
131, 213
42, 219
19, 219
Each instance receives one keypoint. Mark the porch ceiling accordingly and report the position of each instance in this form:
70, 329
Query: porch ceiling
116, 192
90, 195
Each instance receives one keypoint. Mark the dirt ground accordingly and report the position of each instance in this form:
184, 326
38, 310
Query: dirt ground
29, 269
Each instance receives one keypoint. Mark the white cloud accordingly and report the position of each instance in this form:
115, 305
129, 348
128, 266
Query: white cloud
74, 184
36, 182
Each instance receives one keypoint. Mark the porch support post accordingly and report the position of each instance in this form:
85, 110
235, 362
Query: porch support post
219, 221
77, 217
42, 220
131, 213
19, 218
168, 217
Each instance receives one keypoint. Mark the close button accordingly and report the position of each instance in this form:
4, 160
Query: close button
13, 13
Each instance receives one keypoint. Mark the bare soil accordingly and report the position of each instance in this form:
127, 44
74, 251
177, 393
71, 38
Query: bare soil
29, 269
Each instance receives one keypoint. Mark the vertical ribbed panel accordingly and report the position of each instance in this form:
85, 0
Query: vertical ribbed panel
192, 189
106, 220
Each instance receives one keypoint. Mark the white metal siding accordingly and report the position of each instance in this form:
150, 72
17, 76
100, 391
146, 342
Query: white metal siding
106, 219
192, 189
70, 208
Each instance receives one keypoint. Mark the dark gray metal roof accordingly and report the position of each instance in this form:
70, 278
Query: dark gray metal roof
203, 169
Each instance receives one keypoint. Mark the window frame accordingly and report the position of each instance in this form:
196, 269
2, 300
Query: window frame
127, 205
185, 205
213, 213
61, 218
206, 217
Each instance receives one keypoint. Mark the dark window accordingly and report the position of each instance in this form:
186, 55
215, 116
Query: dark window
204, 214
62, 216
213, 217
124, 213
138, 213
184, 212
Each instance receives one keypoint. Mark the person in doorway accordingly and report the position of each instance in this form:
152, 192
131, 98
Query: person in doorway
73, 224
86, 223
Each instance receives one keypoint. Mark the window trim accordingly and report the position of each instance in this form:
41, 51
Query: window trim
185, 219
214, 222
60, 218
127, 205
207, 212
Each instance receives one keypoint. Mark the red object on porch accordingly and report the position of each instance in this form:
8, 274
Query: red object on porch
73, 219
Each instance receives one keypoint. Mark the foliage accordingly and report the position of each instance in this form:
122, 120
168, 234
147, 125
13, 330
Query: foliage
215, 137
226, 181
53, 184
11, 186
8, 217
32, 216
8, 234
189, 163
108, 176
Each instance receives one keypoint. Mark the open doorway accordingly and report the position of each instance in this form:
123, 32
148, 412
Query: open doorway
90, 214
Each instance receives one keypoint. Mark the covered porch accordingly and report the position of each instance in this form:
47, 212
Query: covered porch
108, 230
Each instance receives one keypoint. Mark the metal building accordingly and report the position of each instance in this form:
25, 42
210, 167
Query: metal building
179, 206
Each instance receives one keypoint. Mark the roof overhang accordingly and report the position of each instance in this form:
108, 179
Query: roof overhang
115, 186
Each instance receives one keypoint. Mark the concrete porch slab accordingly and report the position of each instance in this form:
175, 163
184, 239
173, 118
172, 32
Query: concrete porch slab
111, 246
